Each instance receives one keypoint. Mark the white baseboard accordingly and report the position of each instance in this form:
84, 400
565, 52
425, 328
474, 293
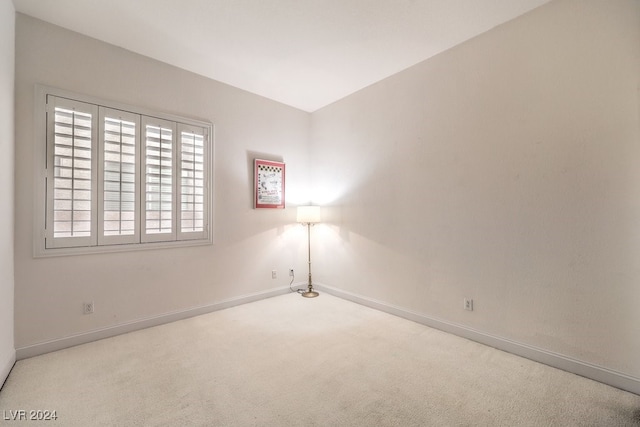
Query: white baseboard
123, 328
6, 366
578, 367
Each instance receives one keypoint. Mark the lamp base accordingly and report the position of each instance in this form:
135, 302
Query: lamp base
310, 294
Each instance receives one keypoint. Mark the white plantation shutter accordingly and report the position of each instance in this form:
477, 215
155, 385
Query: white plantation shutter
159, 188
115, 178
70, 173
193, 202
118, 201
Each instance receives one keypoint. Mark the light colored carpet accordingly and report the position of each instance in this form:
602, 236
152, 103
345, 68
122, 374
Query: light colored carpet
290, 361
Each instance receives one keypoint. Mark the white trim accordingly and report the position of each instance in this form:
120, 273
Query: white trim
5, 368
123, 328
42, 90
556, 360
40, 173
122, 248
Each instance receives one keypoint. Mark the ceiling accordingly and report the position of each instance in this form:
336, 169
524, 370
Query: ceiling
303, 53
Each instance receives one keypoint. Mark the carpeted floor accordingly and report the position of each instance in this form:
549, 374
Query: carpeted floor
291, 361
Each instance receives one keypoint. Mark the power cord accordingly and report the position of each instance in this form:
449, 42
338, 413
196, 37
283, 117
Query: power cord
293, 277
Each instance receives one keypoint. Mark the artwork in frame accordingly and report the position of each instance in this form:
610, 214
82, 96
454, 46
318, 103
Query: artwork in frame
269, 184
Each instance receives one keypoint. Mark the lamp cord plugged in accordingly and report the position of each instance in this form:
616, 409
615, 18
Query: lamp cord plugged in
293, 277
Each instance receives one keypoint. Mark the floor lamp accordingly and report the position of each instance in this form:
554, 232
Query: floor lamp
309, 215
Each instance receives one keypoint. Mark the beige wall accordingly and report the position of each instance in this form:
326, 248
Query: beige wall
127, 287
7, 33
504, 170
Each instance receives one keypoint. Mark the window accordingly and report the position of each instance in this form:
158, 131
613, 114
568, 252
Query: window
119, 178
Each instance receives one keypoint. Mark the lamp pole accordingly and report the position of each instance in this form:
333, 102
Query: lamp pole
310, 293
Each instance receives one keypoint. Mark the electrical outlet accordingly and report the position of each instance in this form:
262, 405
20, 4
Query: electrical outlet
291, 272
468, 304
88, 307
274, 274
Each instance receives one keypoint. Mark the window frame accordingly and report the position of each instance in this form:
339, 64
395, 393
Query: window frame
104, 244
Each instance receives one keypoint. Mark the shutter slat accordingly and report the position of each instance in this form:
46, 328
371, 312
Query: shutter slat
158, 189
118, 179
192, 161
72, 173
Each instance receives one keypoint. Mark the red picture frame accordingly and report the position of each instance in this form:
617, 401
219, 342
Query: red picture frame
269, 180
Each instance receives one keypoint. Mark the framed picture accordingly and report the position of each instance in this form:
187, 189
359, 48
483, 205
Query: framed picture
269, 184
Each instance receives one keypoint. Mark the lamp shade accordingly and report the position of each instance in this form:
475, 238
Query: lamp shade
308, 214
